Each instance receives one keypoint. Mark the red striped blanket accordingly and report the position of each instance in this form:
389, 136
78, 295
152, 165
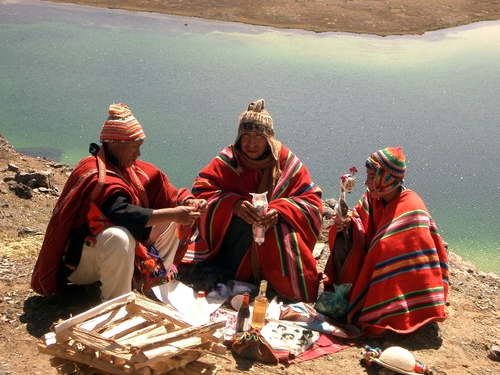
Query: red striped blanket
398, 266
286, 255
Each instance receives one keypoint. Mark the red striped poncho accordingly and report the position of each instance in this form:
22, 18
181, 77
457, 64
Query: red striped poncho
95, 180
286, 256
398, 266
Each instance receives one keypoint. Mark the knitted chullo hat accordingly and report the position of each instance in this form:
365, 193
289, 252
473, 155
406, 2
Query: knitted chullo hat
390, 166
257, 119
121, 126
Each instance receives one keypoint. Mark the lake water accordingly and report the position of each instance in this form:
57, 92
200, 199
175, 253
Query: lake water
334, 97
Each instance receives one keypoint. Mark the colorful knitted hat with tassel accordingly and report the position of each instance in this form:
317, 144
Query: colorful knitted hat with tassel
121, 126
390, 167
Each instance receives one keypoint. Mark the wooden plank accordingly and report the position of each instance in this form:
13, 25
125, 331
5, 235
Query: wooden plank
160, 308
184, 359
104, 307
215, 347
132, 311
104, 319
176, 361
172, 336
141, 335
100, 344
174, 348
216, 336
131, 335
86, 359
126, 327
149, 323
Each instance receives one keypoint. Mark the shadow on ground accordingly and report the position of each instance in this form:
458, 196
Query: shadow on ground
41, 312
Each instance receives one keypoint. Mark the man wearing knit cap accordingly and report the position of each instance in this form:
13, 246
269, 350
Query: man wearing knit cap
114, 224
225, 250
397, 264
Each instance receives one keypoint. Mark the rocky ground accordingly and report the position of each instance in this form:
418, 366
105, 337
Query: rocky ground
378, 17
460, 345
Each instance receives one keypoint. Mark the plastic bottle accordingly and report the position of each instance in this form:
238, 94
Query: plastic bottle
243, 317
259, 234
260, 307
200, 313
260, 203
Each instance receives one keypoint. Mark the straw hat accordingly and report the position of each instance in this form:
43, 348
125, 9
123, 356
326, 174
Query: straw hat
396, 359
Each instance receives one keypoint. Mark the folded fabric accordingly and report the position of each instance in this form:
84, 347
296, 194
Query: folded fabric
252, 345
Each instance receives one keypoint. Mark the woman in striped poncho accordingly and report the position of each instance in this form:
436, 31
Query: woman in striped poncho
397, 263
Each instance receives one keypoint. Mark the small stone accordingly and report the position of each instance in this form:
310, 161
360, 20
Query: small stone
12, 168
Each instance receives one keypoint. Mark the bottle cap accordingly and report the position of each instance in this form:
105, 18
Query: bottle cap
201, 294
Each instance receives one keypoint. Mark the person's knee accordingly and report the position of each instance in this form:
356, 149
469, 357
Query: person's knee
118, 244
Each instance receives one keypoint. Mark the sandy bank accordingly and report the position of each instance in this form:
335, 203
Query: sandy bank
388, 17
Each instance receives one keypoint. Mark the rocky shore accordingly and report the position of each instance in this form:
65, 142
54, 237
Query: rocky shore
463, 344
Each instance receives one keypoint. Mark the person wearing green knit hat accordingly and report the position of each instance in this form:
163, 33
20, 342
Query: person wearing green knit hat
396, 263
388, 167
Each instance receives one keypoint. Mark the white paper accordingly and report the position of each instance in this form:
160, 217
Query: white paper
182, 297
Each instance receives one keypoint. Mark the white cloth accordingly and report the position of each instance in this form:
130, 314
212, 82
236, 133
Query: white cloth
111, 259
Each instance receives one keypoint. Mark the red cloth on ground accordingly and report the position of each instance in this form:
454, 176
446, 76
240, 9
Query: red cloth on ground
326, 344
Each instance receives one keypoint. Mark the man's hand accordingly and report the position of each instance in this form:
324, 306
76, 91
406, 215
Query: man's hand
199, 204
341, 225
270, 219
246, 211
185, 214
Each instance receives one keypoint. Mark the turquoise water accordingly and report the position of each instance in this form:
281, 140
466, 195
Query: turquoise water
334, 97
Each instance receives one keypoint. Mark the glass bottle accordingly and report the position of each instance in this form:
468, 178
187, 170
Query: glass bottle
260, 305
200, 313
243, 317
